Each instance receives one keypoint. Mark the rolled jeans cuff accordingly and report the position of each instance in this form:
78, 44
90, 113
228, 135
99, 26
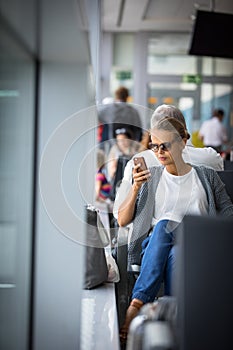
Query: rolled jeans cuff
143, 297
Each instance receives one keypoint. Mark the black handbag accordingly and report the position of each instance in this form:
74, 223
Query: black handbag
96, 269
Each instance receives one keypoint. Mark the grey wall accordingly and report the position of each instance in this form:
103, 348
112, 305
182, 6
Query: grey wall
59, 256
66, 136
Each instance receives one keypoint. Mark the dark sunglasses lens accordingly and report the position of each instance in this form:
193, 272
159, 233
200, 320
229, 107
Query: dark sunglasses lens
165, 146
154, 147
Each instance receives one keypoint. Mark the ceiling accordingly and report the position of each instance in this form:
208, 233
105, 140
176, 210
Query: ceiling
170, 21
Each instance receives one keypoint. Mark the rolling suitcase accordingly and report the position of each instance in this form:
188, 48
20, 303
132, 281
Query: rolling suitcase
154, 327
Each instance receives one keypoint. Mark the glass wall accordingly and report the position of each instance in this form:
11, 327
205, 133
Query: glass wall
217, 66
165, 73
205, 81
216, 96
17, 88
171, 65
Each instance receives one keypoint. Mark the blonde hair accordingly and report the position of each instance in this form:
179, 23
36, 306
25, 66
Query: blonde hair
101, 159
173, 125
168, 111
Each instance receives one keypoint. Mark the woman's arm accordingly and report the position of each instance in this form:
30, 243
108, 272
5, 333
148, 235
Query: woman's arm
127, 208
98, 184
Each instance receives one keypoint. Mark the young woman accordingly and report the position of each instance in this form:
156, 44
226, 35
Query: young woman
198, 156
157, 202
124, 146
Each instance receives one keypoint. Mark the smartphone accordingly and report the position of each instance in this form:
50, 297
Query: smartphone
142, 161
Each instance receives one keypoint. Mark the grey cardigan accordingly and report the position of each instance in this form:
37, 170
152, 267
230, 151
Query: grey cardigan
217, 197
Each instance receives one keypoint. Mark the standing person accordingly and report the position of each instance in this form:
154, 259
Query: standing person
103, 128
158, 200
121, 114
212, 132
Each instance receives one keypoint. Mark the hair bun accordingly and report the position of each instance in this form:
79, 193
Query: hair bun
187, 134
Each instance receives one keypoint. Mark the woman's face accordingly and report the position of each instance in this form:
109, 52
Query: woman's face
123, 141
167, 146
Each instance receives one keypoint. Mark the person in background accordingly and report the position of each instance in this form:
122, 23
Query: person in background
212, 132
198, 156
121, 114
124, 146
103, 128
102, 185
158, 200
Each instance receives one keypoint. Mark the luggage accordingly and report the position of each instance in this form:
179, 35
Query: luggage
154, 327
96, 269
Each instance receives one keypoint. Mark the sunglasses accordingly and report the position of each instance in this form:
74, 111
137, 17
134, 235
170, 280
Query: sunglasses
165, 146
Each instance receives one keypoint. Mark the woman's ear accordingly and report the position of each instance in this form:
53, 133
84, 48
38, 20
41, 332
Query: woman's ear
184, 141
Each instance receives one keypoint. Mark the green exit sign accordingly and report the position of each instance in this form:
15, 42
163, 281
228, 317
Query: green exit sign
123, 75
188, 78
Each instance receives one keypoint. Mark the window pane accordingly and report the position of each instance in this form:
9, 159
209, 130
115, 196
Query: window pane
176, 65
174, 86
224, 67
215, 96
207, 66
123, 50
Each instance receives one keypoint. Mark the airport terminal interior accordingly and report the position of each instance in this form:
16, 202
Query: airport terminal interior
60, 61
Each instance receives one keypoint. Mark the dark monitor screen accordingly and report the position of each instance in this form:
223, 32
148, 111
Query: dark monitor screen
204, 283
212, 35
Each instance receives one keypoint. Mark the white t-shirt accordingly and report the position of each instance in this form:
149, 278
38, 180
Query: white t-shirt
177, 196
213, 132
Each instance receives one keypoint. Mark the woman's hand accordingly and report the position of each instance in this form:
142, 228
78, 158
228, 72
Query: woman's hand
140, 177
126, 209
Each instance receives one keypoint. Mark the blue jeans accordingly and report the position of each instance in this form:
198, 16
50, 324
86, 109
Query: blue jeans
157, 264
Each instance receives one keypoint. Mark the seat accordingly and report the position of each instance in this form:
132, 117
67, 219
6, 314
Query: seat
227, 178
228, 164
204, 282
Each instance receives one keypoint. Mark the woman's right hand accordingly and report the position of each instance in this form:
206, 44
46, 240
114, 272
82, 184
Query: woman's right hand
140, 177
127, 207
